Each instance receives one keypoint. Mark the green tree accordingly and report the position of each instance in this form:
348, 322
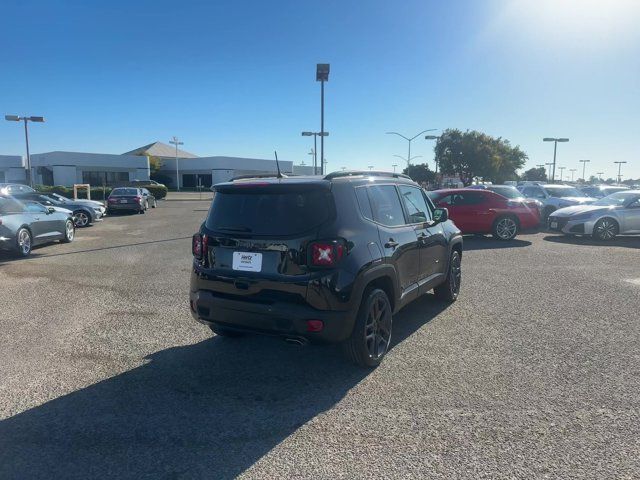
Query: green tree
420, 173
154, 164
537, 173
474, 154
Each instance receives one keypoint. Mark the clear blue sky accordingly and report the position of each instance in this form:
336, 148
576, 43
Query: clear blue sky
238, 77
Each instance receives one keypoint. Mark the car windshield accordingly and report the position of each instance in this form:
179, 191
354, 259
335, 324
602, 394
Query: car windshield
620, 198
121, 192
563, 192
506, 191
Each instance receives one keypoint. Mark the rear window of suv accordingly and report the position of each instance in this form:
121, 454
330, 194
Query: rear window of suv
272, 214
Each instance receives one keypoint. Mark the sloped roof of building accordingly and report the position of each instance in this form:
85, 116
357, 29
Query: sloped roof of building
159, 149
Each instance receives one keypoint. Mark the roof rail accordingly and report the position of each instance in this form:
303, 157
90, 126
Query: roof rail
364, 173
257, 175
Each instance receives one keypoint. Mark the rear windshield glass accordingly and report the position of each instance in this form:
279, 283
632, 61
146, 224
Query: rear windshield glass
508, 192
8, 205
124, 191
269, 213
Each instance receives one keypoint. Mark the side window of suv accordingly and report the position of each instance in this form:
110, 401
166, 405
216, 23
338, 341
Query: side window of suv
363, 202
385, 205
533, 192
415, 204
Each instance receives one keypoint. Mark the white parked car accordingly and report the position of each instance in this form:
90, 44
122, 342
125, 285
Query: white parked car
555, 196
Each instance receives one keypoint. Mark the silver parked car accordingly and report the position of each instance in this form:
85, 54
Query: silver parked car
24, 225
555, 196
600, 191
618, 213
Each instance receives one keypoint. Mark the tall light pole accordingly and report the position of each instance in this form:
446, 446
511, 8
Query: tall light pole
599, 175
409, 160
315, 146
550, 164
176, 142
619, 169
394, 167
555, 148
370, 167
572, 170
322, 75
410, 140
435, 161
584, 165
561, 173
18, 118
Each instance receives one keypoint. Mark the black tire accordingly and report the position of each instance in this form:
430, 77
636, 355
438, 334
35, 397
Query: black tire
69, 233
24, 242
142, 211
449, 290
223, 332
605, 229
83, 219
155, 204
545, 214
371, 335
505, 228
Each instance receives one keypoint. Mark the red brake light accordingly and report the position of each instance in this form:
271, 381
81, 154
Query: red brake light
196, 246
326, 254
137, 198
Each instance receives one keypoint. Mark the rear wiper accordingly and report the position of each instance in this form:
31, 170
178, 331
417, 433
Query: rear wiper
235, 229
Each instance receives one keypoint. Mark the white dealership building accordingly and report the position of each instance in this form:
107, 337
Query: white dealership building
68, 168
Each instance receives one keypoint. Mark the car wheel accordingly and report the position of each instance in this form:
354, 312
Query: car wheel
605, 229
82, 218
142, 211
69, 232
371, 335
223, 332
545, 214
155, 204
23, 242
505, 228
450, 288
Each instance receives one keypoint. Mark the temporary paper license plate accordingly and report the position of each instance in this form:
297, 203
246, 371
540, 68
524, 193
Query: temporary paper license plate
554, 224
123, 201
247, 261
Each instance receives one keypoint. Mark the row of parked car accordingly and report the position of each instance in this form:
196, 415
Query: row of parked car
29, 218
600, 211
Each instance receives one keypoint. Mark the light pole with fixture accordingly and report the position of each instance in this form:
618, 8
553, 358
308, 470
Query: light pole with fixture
550, 164
599, 175
394, 167
18, 118
370, 167
619, 169
409, 158
561, 173
433, 137
555, 148
408, 161
322, 75
584, 164
176, 142
572, 170
315, 146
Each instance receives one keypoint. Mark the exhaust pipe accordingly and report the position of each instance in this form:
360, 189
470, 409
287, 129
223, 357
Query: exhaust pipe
300, 341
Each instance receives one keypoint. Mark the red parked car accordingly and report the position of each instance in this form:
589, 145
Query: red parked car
483, 211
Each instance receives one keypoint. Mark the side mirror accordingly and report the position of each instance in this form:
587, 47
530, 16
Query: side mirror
50, 210
440, 215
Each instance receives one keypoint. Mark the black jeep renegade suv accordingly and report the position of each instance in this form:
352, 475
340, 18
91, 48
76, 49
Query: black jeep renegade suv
321, 258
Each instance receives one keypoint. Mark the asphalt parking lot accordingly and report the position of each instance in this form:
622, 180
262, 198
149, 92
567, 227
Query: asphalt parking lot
533, 373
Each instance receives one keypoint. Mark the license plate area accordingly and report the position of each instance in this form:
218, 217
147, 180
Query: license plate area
247, 261
554, 225
123, 201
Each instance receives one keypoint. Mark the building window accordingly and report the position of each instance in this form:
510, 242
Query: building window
110, 178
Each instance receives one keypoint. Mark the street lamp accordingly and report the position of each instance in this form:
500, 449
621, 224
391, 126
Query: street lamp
370, 167
555, 147
410, 140
315, 147
18, 118
322, 75
550, 164
599, 175
619, 168
572, 170
561, 174
433, 137
176, 142
584, 164
394, 167
409, 161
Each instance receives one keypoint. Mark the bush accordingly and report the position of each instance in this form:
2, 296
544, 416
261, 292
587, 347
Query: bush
157, 191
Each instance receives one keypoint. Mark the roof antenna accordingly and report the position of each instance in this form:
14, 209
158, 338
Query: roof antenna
277, 165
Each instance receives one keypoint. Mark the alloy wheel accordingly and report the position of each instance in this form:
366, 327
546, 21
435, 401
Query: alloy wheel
506, 228
606, 229
70, 231
455, 276
377, 329
24, 242
82, 219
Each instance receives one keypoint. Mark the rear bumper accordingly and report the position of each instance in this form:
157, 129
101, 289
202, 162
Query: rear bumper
124, 206
277, 318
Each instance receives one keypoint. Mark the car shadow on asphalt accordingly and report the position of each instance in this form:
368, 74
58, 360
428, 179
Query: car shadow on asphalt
211, 409
627, 242
479, 242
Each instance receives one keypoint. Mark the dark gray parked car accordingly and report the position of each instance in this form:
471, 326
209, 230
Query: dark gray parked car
130, 199
24, 225
83, 214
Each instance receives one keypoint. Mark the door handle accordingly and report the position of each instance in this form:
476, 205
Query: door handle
391, 243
